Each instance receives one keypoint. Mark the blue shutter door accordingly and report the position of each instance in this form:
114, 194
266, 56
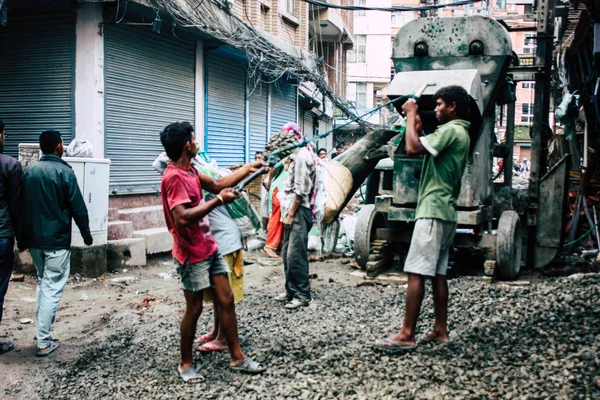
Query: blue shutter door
258, 119
150, 82
37, 71
226, 110
284, 99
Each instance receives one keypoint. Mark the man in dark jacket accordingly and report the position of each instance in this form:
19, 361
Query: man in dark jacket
52, 198
10, 211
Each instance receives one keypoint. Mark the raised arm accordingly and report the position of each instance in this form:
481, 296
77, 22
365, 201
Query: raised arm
217, 185
413, 127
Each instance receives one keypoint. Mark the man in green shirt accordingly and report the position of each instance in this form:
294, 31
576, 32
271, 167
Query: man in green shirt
446, 152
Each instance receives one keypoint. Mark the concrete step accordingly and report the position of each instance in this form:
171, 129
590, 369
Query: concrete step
126, 253
113, 214
120, 230
158, 240
144, 217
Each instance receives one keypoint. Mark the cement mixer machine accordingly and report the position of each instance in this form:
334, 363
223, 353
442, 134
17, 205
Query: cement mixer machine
474, 52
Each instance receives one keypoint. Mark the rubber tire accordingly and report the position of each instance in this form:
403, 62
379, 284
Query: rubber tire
509, 246
330, 236
367, 221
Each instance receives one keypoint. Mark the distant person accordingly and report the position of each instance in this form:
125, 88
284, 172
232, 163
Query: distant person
446, 152
274, 184
264, 213
199, 263
10, 213
339, 149
51, 200
322, 153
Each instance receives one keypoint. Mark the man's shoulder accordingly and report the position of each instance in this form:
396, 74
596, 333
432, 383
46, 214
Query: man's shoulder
8, 161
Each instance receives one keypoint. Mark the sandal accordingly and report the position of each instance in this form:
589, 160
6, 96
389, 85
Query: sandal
213, 346
393, 347
190, 375
5, 347
270, 253
248, 366
54, 344
205, 338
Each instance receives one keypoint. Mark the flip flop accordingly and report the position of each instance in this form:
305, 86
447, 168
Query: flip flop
190, 375
248, 366
213, 346
269, 253
54, 344
392, 347
5, 347
205, 338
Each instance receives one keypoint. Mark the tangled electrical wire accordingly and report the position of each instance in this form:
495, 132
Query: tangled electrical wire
267, 62
396, 8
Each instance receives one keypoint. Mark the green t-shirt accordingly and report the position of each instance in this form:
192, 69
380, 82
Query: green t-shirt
443, 167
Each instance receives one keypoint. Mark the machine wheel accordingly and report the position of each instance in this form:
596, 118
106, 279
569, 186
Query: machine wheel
367, 222
509, 245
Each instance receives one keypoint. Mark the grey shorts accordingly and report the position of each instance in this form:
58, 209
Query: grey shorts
196, 277
430, 247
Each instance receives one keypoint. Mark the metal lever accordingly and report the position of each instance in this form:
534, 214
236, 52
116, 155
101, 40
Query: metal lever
240, 186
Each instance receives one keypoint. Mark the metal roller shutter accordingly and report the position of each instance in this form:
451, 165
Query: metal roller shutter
308, 128
37, 64
149, 83
258, 100
226, 110
284, 100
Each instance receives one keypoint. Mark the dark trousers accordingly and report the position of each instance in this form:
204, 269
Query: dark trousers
7, 258
295, 255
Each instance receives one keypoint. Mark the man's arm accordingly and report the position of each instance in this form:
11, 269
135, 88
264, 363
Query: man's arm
15, 202
217, 185
413, 127
184, 216
78, 208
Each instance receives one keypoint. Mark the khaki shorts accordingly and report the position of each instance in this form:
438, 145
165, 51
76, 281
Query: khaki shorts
196, 277
430, 247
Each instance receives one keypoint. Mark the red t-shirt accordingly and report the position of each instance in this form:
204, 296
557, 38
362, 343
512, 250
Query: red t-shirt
193, 242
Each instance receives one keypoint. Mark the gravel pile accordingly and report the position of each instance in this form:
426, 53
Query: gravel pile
536, 341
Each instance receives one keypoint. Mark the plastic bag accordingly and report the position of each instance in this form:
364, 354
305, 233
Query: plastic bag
79, 148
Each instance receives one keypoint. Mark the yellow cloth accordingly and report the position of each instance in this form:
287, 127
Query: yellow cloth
235, 261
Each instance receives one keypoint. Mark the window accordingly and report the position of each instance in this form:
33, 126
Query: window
529, 43
527, 112
358, 54
287, 6
361, 95
361, 3
400, 18
529, 85
392, 73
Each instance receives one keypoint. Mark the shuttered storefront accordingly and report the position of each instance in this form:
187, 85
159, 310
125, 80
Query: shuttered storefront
284, 103
258, 115
308, 124
149, 83
37, 72
225, 109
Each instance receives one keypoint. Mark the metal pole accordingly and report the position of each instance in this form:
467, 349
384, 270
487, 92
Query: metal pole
543, 62
510, 143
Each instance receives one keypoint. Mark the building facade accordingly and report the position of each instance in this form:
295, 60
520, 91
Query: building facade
115, 73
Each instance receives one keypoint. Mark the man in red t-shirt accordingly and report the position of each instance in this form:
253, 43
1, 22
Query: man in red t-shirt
195, 251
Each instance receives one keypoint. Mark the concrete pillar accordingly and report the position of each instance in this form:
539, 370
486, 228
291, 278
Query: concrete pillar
89, 77
200, 96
